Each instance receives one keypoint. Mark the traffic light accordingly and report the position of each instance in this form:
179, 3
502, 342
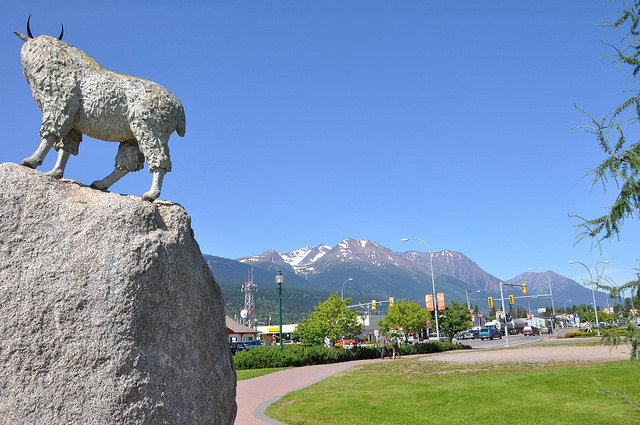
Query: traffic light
390, 302
524, 288
511, 300
373, 304
490, 302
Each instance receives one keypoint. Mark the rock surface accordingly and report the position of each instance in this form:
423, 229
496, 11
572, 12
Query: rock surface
108, 314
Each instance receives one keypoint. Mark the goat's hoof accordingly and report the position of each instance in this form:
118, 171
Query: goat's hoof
31, 163
56, 174
150, 196
98, 186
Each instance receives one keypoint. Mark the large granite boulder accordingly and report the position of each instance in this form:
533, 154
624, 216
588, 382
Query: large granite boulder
108, 312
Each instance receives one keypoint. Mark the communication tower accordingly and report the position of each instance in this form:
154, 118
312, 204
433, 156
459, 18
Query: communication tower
249, 312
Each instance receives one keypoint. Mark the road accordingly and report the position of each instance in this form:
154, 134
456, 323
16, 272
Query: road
514, 340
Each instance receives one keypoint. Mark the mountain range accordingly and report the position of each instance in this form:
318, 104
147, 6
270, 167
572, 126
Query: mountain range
366, 270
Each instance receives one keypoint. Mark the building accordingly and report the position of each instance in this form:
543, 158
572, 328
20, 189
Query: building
270, 334
238, 332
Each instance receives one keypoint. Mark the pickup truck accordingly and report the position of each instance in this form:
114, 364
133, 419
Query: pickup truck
490, 333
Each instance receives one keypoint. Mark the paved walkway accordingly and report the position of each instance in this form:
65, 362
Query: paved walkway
254, 395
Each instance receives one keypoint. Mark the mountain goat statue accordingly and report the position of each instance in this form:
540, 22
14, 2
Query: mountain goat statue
78, 96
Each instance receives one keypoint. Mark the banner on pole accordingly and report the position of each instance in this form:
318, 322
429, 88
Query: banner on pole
428, 299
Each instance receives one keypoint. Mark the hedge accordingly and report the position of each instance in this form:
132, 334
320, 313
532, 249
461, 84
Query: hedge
299, 355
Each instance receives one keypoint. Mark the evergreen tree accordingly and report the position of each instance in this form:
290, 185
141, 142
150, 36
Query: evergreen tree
622, 164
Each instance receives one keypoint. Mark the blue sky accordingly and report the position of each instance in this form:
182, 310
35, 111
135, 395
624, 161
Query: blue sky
310, 122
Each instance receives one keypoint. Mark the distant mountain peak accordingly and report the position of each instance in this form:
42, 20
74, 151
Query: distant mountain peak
376, 268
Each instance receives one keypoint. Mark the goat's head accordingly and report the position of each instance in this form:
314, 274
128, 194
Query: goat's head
29, 35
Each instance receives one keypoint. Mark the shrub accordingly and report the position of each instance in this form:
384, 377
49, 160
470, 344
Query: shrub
579, 334
299, 355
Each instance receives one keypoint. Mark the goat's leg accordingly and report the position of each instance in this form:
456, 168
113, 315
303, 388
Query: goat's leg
156, 185
106, 182
58, 170
38, 156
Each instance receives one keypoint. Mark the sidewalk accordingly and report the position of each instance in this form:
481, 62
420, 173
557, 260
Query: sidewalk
254, 395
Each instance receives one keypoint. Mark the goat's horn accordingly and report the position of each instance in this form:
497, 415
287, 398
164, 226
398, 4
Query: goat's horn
29, 29
61, 32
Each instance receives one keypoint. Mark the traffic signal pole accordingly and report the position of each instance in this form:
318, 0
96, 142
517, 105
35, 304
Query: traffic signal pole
504, 312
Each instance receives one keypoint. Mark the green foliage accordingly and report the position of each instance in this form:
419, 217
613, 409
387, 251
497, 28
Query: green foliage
331, 318
622, 164
270, 356
629, 336
455, 318
580, 334
406, 315
296, 302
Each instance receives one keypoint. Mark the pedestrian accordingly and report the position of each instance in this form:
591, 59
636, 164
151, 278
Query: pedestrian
382, 343
395, 347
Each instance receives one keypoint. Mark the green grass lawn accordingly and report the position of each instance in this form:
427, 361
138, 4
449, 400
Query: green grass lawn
254, 373
411, 391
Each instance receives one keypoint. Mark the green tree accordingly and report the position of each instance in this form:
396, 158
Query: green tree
453, 319
622, 162
406, 315
330, 318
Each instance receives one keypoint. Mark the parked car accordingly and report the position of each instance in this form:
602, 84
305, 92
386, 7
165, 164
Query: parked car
472, 334
530, 330
442, 338
236, 346
252, 343
490, 333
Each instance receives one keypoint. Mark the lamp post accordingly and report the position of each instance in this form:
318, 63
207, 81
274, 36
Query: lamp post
364, 323
466, 292
361, 295
594, 288
280, 281
531, 315
553, 307
342, 290
433, 283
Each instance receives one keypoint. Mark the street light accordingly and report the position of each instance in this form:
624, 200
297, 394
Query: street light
531, 315
361, 295
553, 307
594, 288
364, 323
342, 290
466, 291
280, 281
433, 282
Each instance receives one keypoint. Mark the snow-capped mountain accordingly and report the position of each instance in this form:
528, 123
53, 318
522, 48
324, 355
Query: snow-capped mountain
302, 260
308, 261
373, 268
